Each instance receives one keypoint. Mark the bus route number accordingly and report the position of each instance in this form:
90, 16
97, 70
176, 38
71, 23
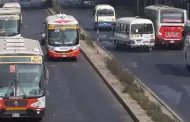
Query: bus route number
36, 59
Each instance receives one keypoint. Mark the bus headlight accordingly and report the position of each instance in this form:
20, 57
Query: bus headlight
74, 47
40, 104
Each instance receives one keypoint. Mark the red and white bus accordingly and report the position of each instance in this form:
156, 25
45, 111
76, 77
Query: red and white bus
168, 22
61, 36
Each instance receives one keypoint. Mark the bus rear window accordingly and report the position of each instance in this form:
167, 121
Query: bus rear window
171, 17
141, 29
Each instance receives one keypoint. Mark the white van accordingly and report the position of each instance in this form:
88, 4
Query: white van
134, 32
104, 16
14, 5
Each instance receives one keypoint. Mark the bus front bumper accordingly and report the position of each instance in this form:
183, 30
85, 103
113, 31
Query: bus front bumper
28, 113
54, 54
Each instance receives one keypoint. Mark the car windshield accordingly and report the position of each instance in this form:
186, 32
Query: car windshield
141, 29
105, 12
20, 80
171, 17
9, 27
63, 37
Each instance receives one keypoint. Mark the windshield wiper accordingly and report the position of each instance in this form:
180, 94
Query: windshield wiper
22, 90
65, 38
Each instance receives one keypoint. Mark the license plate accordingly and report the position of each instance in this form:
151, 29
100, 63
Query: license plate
15, 115
171, 41
64, 56
63, 49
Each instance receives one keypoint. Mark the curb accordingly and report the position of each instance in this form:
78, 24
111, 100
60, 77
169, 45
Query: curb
134, 117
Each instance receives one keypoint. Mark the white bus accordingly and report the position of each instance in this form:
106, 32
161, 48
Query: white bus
14, 5
168, 22
10, 22
61, 36
134, 32
104, 16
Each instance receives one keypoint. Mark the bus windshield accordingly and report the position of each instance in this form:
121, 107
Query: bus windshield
171, 17
9, 27
141, 29
105, 12
68, 37
21, 80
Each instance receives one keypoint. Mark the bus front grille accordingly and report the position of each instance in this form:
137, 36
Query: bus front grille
16, 103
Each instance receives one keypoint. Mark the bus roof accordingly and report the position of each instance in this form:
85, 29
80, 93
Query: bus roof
105, 6
65, 19
20, 45
133, 20
9, 11
12, 5
159, 7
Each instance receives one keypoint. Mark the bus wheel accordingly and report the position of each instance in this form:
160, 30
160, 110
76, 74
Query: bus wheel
95, 29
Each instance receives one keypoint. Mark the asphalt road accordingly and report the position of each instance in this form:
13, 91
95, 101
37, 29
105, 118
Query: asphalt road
76, 92
163, 71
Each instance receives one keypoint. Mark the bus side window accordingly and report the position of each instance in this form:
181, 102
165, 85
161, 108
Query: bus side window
119, 30
127, 29
122, 28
